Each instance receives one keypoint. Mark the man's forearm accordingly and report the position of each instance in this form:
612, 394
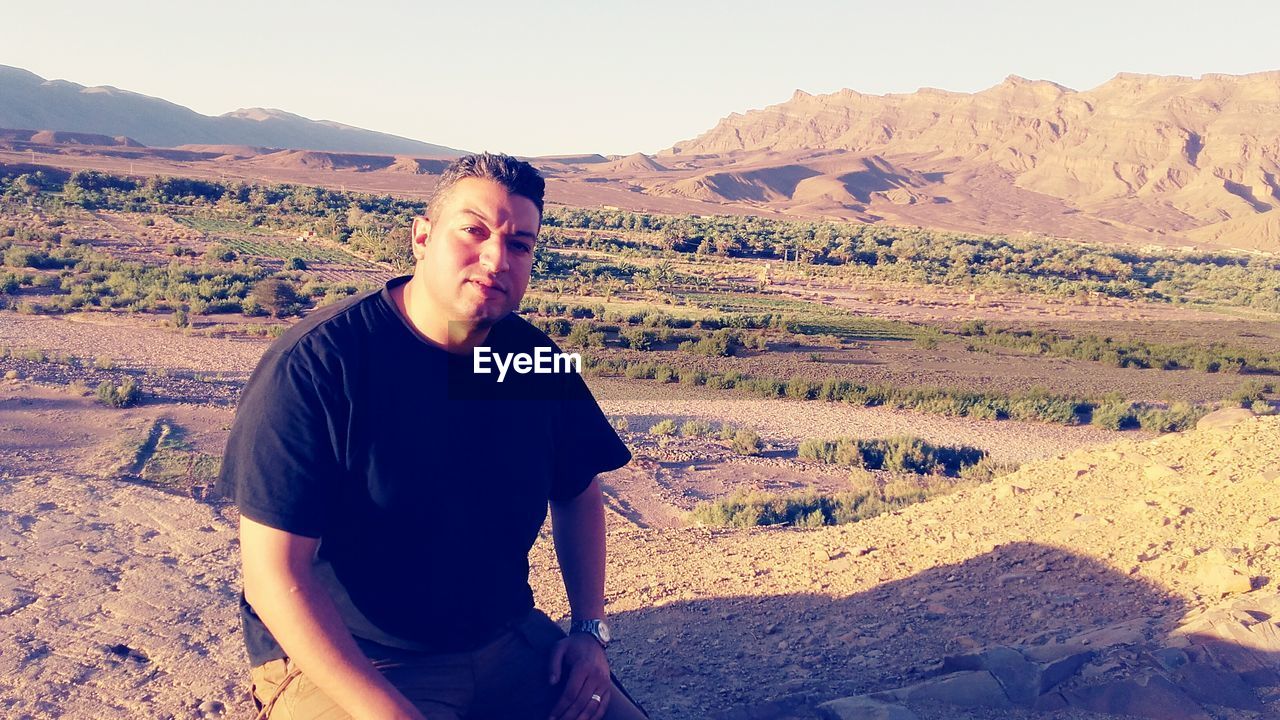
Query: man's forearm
281, 586
578, 529
304, 620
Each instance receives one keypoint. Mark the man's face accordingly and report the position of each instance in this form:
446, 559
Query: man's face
475, 256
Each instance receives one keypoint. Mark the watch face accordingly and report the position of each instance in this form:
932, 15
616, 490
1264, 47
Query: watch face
596, 628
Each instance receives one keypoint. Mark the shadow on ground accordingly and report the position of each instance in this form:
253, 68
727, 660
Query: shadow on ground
756, 657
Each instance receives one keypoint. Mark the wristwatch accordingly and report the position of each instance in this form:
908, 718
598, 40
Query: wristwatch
597, 629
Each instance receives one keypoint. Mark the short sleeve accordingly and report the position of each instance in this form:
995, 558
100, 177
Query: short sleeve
280, 464
585, 443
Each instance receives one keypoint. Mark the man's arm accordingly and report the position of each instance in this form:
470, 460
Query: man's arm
577, 525
281, 586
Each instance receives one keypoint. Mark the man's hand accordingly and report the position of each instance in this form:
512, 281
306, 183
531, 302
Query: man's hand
580, 660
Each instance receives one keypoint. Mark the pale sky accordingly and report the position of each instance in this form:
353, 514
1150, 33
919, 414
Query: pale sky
558, 76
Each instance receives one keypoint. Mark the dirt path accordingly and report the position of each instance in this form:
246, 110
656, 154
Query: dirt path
129, 343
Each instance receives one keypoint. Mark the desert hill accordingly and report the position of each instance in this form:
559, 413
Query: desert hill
1138, 155
29, 101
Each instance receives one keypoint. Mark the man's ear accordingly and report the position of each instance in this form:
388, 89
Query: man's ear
421, 231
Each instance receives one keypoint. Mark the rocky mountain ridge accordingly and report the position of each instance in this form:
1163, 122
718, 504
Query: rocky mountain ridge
31, 102
1156, 153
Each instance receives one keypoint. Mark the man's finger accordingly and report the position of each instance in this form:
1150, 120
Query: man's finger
571, 698
598, 707
557, 661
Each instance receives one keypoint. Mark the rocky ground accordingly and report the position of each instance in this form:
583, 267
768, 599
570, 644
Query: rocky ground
117, 598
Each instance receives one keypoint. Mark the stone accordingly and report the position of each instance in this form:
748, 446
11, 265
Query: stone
1064, 667
1238, 655
1051, 701
1224, 419
1019, 677
1147, 697
12, 375
860, 707
1219, 579
1213, 686
964, 689
211, 708
1008, 490
1055, 651
1109, 637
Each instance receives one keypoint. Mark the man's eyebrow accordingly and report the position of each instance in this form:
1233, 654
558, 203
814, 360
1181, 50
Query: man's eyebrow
485, 218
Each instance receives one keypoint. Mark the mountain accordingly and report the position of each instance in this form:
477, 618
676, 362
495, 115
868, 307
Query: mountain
1139, 156
29, 101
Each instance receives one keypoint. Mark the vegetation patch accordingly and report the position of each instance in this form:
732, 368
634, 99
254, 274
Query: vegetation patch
125, 394
896, 454
806, 509
1214, 357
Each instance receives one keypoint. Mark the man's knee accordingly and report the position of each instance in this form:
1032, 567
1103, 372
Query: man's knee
284, 693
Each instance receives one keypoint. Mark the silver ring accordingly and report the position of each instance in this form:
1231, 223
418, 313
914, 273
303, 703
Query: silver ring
597, 698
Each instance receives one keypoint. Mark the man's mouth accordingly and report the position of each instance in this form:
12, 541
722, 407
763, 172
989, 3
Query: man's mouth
490, 286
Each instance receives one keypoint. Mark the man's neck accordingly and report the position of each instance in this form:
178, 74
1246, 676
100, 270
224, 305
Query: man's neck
430, 324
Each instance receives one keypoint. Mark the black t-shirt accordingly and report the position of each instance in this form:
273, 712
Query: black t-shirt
426, 482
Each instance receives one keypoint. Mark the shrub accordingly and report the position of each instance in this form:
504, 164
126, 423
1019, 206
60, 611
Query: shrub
637, 339
927, 342
986, 470
276, 296
696, 428
295, 263
804, 510
557, 327
802, 389
222, 253
1114, 413
896, 454
585, 335
720, 343
1249, 393
639, 371
127, 393
746, 442
1176, 418
692, 377
663, 428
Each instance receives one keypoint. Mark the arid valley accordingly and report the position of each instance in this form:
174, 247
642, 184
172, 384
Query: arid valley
972, 417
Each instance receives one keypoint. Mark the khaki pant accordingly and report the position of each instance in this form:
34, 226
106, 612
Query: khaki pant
504, 680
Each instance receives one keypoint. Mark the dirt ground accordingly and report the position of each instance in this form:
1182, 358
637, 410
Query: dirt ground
118, 599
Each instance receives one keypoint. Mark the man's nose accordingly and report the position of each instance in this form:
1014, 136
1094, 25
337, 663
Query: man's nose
494, 255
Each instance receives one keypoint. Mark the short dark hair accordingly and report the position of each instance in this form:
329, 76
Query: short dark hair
516, 176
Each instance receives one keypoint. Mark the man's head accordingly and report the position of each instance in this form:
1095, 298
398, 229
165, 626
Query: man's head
516, 176
474, 250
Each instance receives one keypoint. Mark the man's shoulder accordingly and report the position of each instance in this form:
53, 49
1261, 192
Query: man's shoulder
332, 326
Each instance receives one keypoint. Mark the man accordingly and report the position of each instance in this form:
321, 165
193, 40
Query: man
389, 494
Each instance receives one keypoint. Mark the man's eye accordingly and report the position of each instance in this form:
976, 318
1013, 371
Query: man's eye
472, 230
520, 247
